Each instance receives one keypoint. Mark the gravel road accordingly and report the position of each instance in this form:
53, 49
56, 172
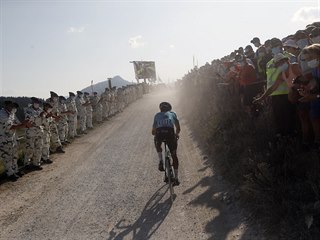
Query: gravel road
107, 186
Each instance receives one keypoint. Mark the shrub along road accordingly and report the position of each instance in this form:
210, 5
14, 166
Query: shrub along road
107, 186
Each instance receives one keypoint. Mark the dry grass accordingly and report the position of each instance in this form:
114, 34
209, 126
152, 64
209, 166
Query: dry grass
278, 183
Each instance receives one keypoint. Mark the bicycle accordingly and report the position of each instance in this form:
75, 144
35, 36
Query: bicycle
169, 174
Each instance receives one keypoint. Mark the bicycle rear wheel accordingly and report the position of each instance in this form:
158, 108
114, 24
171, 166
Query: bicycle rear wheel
170, 174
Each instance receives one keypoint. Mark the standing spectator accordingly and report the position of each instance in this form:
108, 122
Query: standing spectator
72, 116
315, 35
250, 54
97, 107
256, 42
105, 105
55, 140
232, 78
88, 110
302, 40
290, 46
46, 121
240, 51
8, 143
81, 108
312, 93
34, 134
63, 121
278, 89
267, 45
247, 80
262, 59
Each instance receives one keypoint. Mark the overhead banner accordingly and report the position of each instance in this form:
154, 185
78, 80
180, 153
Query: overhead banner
145, 70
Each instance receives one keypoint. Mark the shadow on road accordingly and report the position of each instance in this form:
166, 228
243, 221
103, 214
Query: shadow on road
226, 223
222, 224
152, 216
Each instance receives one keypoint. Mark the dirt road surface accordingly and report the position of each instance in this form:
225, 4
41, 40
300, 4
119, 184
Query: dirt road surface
107, 186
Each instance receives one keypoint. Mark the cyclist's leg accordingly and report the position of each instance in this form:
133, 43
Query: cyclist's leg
158, 143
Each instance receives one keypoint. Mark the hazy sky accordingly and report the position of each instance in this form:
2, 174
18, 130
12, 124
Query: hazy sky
63, 45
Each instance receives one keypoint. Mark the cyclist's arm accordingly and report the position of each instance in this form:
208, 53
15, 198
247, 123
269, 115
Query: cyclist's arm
153, 132
177, 124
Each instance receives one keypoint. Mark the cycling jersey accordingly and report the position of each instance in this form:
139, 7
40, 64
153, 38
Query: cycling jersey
165, 120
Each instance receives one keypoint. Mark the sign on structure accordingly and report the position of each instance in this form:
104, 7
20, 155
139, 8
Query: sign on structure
145, 70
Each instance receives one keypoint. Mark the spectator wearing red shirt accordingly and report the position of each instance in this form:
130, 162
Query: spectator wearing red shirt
247, 80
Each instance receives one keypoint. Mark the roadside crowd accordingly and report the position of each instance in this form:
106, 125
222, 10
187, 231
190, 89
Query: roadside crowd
286, 70
51, 124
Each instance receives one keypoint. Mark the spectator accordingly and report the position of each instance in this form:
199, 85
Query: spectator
240, 51
249, 53
290, 46
97, 107
232, 78
62, 125
247, 80
267, 45
312, 93
54, 133
302, 41
256, 42
262, 58
278, 89
72, 116
81, 109
89, 110
315, 35
34, 135
8, 142
299, 82
47, 119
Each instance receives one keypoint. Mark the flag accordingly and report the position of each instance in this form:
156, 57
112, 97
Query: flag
145, 70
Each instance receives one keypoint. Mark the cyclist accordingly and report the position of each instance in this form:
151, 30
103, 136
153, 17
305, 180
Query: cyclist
163, 129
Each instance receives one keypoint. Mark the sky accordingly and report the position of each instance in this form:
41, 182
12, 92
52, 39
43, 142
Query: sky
61, 46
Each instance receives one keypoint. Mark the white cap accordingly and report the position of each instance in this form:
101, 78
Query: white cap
290, 43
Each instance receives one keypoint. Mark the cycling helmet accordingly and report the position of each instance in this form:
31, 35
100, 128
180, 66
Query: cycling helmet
165, 107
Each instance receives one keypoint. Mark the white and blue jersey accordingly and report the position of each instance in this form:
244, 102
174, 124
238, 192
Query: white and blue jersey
165, 120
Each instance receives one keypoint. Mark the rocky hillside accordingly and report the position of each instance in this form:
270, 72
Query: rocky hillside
99, 87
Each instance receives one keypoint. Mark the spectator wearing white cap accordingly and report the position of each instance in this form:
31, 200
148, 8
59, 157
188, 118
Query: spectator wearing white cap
290, 46
283, 109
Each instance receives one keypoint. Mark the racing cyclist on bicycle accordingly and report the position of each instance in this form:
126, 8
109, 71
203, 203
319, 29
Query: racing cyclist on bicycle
163, 129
